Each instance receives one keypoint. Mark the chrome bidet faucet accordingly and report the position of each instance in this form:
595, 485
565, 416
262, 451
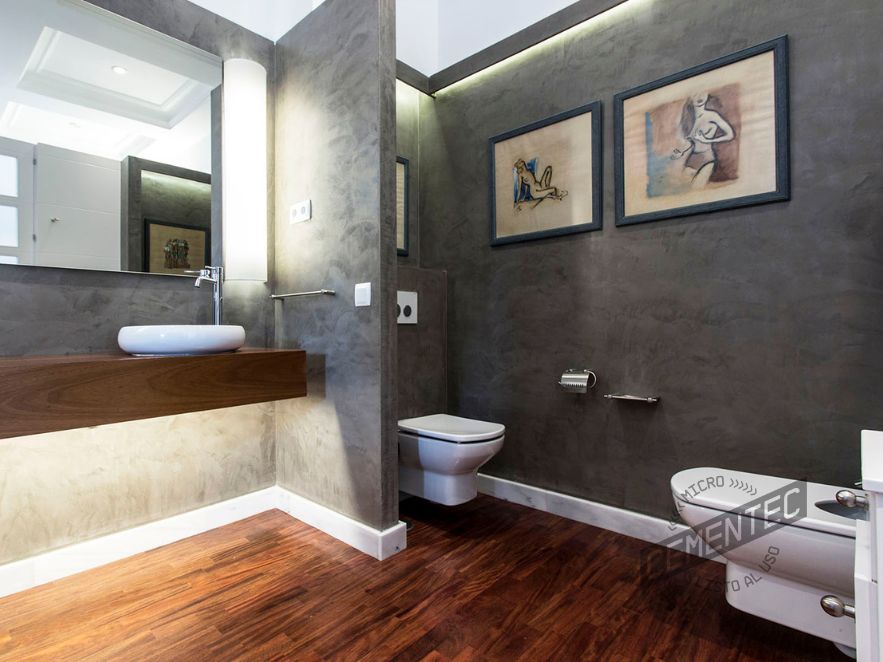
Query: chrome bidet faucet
215, 276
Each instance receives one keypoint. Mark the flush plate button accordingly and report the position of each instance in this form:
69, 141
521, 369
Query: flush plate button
406, 308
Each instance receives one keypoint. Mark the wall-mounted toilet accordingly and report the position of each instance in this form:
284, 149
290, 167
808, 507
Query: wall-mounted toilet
781, 575
439, 456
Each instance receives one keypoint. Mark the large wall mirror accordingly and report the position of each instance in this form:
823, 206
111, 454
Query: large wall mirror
105, 142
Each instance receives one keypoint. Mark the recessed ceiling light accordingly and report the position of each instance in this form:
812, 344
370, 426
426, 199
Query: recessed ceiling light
117, 69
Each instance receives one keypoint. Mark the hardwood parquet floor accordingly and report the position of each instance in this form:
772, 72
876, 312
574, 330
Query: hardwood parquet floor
488, 580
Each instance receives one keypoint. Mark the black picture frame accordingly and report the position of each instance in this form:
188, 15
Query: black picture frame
597, 150
149, 223
779, 47
407, 211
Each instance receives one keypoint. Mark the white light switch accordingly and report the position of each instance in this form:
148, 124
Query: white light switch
363, 294
300, 212
406, 308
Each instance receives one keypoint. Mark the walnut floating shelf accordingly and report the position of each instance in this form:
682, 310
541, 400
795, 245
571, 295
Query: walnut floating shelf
50, 393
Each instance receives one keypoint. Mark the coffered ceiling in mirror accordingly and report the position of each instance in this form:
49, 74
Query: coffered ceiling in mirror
110, 90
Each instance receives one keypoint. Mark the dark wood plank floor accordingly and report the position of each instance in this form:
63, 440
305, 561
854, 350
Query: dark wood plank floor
487, 580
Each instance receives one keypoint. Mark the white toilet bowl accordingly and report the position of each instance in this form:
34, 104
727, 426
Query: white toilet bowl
439, 456
782, 574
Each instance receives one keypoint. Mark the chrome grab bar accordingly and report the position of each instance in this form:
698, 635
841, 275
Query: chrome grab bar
632, 398
303, 294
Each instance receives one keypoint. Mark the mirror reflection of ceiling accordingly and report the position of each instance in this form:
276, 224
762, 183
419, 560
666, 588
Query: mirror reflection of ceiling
430, 34
75, 77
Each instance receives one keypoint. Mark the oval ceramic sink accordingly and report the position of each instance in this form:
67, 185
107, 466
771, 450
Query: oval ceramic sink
178, 339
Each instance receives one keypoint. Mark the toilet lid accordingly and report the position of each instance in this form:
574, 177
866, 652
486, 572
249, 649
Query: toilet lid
726, 490
452, 428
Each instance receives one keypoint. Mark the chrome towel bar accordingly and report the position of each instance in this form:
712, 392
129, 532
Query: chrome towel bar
632, 398
303, 294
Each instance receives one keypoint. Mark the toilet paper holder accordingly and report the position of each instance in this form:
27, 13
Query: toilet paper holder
577, 381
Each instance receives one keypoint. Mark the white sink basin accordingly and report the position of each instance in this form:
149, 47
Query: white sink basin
178, 339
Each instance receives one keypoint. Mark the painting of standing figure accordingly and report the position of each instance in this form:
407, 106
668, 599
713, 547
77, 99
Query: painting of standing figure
545, 177
710, 138
705, 131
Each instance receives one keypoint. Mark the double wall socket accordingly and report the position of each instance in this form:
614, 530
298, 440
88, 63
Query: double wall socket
300, 212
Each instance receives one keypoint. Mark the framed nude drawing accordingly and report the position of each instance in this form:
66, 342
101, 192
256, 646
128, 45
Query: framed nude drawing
712, 137
545, 178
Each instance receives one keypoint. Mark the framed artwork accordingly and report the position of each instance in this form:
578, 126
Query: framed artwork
545, 178
170, 248
709, 138
403, 182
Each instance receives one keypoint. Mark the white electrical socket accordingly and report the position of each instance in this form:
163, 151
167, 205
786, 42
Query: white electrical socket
300, 212
406, 307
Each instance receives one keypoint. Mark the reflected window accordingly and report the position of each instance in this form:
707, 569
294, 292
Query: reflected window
8, 176
8, 226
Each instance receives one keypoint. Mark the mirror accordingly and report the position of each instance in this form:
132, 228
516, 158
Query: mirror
105, 141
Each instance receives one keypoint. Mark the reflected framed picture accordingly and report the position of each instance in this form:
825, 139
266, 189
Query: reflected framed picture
545, 178
712, 137
170, 248
403, 183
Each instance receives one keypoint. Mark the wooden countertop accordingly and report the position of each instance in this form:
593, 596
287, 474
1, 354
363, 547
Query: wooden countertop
50, 393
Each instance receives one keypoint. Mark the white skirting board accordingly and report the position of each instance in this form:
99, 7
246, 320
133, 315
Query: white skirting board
56, 564
373, 542
618, 520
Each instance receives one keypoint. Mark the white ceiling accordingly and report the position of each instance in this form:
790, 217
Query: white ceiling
431, 34
269, 18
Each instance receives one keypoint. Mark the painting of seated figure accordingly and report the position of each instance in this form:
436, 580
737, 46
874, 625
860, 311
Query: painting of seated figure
545, 177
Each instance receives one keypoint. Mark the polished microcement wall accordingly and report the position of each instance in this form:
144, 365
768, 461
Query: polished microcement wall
422, 347
335, 89
65, 487
760, 327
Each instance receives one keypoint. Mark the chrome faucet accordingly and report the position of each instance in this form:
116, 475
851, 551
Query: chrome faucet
215, 276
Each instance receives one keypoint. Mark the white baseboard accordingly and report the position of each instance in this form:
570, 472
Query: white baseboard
618, 520
379, 544
58, 563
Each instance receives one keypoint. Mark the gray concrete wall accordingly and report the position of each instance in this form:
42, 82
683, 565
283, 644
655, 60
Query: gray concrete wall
64, 487
335, 90
422, 347
760, 328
